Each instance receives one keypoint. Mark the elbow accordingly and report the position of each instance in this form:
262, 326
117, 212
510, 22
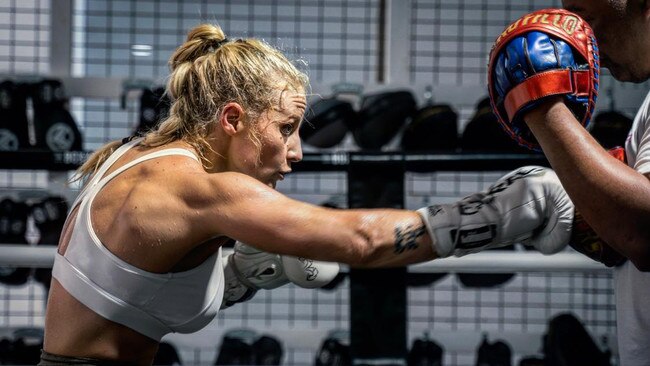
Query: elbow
364, 242
363, 254
641, 260
638, 252
642, 265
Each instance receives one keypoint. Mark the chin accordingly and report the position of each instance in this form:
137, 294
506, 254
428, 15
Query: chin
638, 78
617, 72
619, 76
627, 76
624, 74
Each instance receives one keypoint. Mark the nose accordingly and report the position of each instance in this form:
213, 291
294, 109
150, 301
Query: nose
294, 153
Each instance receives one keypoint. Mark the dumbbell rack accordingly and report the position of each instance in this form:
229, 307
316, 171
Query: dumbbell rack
57, 165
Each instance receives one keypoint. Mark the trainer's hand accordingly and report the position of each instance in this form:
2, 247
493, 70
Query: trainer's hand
528, 205
550, 52
248, 269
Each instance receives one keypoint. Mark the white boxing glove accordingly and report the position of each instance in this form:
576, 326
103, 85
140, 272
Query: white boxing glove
528, 206
248, 269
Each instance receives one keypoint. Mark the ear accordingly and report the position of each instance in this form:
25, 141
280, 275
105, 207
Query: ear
231, 118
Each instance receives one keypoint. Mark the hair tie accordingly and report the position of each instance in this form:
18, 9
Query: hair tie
218, 44
126, 140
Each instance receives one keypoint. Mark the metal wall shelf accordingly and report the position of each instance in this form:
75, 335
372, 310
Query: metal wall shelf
312, 162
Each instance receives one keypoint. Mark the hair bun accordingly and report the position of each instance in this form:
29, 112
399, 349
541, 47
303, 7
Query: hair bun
200, 40
206, 32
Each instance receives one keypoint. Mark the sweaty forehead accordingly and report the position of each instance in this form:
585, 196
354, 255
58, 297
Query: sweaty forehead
292, 102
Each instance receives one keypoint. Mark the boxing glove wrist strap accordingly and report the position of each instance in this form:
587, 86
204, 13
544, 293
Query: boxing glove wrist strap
554, 82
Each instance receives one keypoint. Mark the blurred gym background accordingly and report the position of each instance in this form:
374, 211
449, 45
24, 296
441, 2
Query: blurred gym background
397, 118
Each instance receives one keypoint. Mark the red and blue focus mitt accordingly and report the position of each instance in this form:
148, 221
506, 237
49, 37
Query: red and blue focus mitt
550, 52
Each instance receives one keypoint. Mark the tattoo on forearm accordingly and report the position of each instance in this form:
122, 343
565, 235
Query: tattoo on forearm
406, 237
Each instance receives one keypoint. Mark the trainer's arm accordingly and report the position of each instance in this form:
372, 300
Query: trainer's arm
244, 209
613, 198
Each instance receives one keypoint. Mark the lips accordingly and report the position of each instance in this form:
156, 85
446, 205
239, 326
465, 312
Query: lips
282, 174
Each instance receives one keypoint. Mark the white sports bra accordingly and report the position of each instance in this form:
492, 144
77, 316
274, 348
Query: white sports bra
153, 304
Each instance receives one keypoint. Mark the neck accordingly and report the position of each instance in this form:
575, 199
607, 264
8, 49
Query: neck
217, 155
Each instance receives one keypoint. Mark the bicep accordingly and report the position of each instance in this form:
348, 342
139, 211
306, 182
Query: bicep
255, 214
268, 220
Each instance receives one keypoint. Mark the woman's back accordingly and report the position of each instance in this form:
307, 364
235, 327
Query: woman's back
142, 218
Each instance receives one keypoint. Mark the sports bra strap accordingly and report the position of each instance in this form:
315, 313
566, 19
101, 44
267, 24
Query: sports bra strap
113, 158
98, 181
104, 167
156, 154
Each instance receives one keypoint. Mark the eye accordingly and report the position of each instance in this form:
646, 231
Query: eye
287, 129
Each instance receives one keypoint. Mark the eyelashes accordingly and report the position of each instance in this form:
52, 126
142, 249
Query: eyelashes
287, 129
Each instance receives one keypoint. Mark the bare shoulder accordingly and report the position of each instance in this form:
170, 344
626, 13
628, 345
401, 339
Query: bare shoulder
210, 189
179, 175
228, 202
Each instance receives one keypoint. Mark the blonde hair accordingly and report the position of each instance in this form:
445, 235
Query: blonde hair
208, 71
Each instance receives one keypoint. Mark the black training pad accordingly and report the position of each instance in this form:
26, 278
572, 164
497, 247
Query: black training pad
326, 122
432, 128
381, 116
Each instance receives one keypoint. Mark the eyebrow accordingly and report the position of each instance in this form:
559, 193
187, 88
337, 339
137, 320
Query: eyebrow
297, 117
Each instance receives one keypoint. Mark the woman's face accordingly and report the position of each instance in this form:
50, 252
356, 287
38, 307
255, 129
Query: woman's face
279, 141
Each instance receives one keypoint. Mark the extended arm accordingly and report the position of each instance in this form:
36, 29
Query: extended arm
613, 198
527, 205
244, 209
